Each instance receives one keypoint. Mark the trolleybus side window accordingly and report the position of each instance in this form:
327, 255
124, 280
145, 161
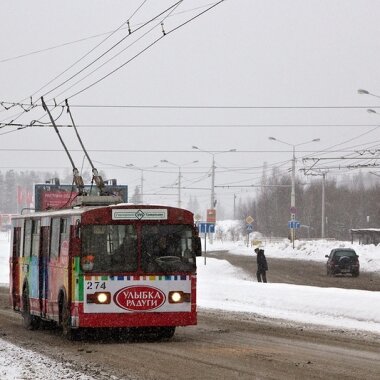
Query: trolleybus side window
27, 238
64, 230
35, 237
109, 248
55, 237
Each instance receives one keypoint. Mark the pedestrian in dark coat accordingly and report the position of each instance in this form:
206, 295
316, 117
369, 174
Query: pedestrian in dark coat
262, 265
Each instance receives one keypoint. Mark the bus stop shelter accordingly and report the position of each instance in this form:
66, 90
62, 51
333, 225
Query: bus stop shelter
366, 235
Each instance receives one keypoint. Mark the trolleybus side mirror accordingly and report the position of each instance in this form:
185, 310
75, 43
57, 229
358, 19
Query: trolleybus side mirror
197, 246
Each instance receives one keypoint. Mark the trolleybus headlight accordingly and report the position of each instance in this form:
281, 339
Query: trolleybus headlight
178, 297
99, 297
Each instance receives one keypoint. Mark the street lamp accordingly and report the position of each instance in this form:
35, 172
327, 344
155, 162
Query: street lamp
132, 166
213, 202
293, 192
179, 176
212, 205
141, 180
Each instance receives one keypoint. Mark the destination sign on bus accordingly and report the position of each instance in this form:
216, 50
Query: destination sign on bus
140, 214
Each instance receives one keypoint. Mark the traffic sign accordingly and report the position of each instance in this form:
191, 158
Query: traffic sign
249, 219
206, 228
211, 215
294, 224
249, 228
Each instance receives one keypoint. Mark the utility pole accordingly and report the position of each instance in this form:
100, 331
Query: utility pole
142, 186
213, 203
293, 197
323, 206
179, 177
293, 192
212, 206
234, 206
179, 187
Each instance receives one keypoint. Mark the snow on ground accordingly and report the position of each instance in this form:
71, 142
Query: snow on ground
224, 287
19, 363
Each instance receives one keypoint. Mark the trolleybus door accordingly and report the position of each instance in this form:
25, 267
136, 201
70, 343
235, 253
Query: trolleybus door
15, 268
43, 269
34, 266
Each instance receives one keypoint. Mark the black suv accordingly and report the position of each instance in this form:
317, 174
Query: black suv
342, 261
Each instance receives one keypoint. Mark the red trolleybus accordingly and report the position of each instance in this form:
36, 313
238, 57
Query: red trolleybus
115, 266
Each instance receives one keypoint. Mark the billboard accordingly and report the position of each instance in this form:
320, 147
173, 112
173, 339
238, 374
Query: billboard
49, 196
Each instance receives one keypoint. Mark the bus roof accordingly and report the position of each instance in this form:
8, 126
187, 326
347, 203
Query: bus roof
91, 209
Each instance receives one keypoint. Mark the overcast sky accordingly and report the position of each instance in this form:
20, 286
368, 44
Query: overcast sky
295, 65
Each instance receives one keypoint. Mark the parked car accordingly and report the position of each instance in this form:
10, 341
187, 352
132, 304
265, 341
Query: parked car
342, 261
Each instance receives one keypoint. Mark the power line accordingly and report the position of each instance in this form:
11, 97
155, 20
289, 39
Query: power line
191, 125
90, 37
90, 51
7, 105
164, 34
190, 106
109, 49
165, 151
18, 116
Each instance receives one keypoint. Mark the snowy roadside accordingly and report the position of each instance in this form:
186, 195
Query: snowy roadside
221, 286
19, 363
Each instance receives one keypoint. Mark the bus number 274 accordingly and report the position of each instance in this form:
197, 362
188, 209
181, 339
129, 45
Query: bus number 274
93, 285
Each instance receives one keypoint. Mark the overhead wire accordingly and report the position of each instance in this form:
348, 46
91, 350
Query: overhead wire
77, 61
145, 49
88, 38
141, 52
111, 48
120, 52
89, 52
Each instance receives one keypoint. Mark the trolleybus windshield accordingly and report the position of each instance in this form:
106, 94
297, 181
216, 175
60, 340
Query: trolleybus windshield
109, 248
114, 248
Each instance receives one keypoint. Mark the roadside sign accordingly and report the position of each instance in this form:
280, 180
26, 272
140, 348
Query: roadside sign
211, 216
249, 219
206, 228
294, 224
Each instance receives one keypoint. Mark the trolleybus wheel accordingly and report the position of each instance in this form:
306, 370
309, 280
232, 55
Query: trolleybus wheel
166, 332
30, 321
65, 321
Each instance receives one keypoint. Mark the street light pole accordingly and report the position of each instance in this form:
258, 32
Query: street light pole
142, 186
323, 206
179, 186
293, 196
212, 205
234, 206
134, 167
212, 202
293, 191
179, 177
